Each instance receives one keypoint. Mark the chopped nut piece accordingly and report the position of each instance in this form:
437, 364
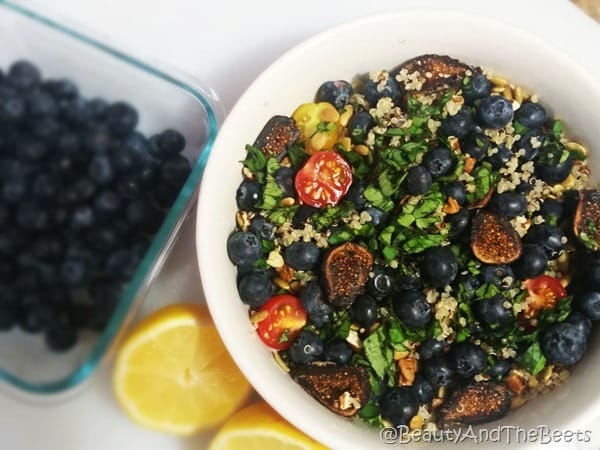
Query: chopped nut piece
408, 369
515, 383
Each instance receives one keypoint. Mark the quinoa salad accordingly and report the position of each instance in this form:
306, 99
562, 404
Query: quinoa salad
406, 244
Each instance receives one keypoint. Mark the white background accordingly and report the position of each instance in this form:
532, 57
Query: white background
226, 44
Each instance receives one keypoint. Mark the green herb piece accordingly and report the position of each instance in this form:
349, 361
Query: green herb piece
377, 352
487, 290
420, 243
281, 215
284, 337
339, 237
485, 179
533, 359
377, 199
389, 253
255, 160
557, 314
341, 324
297, 155
520, 128
558, 128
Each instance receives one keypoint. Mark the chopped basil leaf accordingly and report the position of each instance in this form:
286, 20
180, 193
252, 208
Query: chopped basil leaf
484, 180
279, 216
377, 199
378, 353
255, 160
519, 129
533, 359
557, 314
558, 128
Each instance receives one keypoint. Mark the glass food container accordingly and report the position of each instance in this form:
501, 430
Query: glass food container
163, 101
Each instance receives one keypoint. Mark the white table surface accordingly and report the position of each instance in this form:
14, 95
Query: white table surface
226, 44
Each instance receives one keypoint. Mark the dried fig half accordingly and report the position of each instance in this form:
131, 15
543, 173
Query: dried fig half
435, 72
587, 219
476, 403
346, 269
342, 389
494, 240
277, 135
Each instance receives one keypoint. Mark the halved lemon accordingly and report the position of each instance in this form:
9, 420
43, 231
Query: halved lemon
259, 427
174, 374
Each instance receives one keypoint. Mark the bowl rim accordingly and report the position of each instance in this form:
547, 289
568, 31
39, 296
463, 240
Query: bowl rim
210, 282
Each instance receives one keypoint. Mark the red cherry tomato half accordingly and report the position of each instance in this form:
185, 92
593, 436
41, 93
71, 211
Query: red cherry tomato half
323, 180
284, 318
544, 291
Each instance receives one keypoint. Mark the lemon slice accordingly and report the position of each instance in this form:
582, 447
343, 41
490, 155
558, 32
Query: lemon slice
259, 427
174, 374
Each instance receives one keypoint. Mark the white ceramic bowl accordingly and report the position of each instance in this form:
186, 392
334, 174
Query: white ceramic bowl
372, 43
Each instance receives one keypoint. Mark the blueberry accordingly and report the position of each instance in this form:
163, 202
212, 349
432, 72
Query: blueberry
102, 239
364, 311
165, 194
314, 303
476, 88
374, 91
492, 313
476, 145
40, 103
549, 237
423, 389
249, 195
60, 334
456, 190
302, 255
377, 216
61, 88
148, 175
83, 189
338, 351
563, 343
284, 176
14, 189
122, 264
74, 272
501, 276
431, 348
121, 118
12, 240
45, 185
127, 159
8, 314
32, 314
143, 214
255, 288
302, 215
306, 348
24, 75
381, 284
129, 187
499, 368
439, 161
101, 170
532, 262
439, 372
407, 281
359, 125
592, 271
530, 143
412, 308
170, 143
46, 128
589, 304
243, 248
553, 164
494, 112
581, 321
75, 111
32, 149
356, 194
97, 108
439, 266
97, 140
176, 170
12, 109
552, 210
458, 125
458, 222
8, 269
83, 216
509, 204
107, 202
262, 228
532, 115
335, 92
468, 359
418, 180
499, 156
398, 405
31, 215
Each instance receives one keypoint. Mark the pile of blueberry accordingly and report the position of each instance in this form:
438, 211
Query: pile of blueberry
81, 194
